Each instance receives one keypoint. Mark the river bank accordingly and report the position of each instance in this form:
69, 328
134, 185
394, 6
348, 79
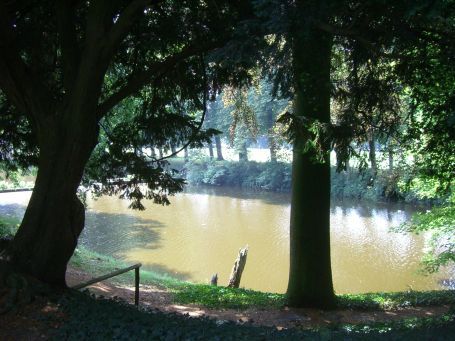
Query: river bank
229, 311
172, 308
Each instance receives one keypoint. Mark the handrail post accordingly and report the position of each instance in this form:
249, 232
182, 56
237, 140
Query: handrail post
136, 282
116, 273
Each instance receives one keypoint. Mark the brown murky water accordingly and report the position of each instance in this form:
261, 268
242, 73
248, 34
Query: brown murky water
202, 230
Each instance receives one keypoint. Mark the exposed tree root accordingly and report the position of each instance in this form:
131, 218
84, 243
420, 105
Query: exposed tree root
18, 289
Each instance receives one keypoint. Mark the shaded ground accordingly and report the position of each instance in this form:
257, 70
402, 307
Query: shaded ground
158, 298
79, 317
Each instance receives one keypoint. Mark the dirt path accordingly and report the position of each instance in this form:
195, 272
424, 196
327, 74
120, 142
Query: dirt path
156, 298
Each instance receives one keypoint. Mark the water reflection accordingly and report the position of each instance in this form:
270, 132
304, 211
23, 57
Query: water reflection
202, 230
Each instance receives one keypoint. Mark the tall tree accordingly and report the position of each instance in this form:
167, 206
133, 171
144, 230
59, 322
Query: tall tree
310, 275
64, 65
378, 41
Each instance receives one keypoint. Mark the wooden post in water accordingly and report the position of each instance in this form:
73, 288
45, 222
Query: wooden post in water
214, 280
239, 265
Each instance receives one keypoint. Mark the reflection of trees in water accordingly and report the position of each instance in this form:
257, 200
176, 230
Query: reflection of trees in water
115, 233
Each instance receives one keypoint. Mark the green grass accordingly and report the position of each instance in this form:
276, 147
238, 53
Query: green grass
184, 292
393, 300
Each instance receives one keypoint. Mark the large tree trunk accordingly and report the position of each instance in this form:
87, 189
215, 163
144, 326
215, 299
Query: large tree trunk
310, 275
54, 217
219, 151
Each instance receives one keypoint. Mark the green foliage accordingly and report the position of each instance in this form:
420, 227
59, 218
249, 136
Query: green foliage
440, 223
425, 187
382, 185
275, 176
385, 185
151, 76
395, 300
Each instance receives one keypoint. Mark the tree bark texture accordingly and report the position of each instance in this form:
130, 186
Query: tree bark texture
310, 275
55, 216
237, 269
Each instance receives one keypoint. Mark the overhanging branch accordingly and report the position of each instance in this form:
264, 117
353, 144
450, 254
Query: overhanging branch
17, 81
349, 33
140, 79
124, 22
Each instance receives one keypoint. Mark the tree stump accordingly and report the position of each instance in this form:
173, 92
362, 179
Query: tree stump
239, 265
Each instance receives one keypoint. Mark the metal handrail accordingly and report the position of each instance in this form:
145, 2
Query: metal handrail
134, 267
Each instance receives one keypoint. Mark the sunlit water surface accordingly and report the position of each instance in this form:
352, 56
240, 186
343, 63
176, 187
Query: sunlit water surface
200, 233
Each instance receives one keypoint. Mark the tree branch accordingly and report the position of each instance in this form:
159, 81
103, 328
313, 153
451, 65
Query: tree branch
123, 24
201, 122
68, 41
340, 31
16, 79
138, 80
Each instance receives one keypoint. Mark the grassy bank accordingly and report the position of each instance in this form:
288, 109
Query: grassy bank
222, 297
88, 318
